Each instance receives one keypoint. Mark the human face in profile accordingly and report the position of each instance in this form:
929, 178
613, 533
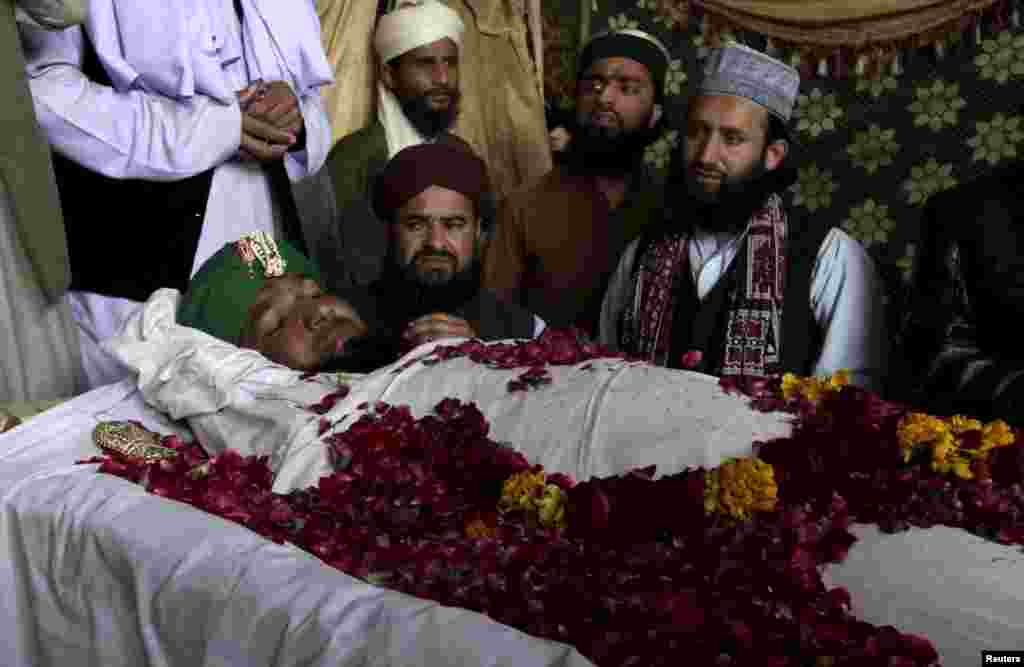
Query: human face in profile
296, 324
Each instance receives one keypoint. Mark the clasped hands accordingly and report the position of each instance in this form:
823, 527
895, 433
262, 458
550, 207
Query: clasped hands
271, 121
437, 325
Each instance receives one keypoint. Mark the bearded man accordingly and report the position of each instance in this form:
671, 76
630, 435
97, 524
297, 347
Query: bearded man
724, 285
430, 287
556, 242
417, 45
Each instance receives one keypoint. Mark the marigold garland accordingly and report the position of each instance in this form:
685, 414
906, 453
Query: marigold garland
811, 388
957, 444
531, 492
739, 487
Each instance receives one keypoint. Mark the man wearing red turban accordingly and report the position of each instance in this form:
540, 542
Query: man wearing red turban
435, 200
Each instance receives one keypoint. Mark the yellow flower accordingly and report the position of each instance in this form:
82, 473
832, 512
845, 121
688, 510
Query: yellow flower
551, 507
712, 488
529, 492
943, 447
918, 428
740, 487
997, 434
790, 386
812, 388
944, 437
961, 424
520, 490
478, 528
839, 379
962, 469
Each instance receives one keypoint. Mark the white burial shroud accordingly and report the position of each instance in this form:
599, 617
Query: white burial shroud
597, 418
959, 590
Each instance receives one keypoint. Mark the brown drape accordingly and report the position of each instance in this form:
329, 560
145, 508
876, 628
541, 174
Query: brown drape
838, 23
346, 30
502, 106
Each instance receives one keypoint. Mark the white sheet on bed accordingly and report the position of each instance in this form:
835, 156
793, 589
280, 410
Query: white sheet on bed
94, 571
109, 575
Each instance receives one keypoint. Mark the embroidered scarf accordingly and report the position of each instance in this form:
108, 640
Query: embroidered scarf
753, 330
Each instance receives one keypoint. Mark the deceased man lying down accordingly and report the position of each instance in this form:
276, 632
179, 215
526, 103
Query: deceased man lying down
265, 295
220, 374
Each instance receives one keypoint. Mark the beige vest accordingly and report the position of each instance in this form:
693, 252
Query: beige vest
25, 167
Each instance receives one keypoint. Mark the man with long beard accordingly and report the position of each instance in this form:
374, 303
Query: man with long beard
724, 286
557, 241
430, 285
417, 45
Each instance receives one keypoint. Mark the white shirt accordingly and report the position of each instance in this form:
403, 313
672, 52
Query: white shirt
136, 134
847, 298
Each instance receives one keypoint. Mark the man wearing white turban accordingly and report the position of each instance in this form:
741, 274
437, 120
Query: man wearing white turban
417, 47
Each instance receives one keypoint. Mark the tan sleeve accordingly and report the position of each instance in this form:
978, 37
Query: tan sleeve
505, 257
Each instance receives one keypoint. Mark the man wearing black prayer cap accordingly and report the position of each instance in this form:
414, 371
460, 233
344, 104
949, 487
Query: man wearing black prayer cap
434, 199
557, 241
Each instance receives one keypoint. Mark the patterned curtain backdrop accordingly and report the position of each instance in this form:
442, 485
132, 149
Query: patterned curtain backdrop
873, 146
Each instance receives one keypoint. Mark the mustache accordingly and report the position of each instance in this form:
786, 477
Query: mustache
601, 112
706, 171
439, 254
442, 90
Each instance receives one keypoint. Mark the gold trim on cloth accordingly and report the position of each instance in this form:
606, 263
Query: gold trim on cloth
831, 23
132, 441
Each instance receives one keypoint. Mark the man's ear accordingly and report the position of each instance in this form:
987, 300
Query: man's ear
655, 115
775, 153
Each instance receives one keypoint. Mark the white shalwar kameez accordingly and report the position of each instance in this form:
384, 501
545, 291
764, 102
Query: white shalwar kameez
137, 134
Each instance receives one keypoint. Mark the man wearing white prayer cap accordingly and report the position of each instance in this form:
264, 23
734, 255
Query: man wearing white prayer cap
725, 285
417, 47
176, 127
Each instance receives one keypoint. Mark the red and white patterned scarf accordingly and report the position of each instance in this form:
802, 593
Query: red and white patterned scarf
753, 330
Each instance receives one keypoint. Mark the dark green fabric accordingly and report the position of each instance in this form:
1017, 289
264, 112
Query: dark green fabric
225, 288
25, 167
354, 164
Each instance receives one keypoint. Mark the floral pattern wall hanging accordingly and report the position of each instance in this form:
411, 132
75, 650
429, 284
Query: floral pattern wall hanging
875, 143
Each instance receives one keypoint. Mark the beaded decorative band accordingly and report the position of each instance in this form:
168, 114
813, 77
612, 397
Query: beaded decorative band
260, 246
131, 441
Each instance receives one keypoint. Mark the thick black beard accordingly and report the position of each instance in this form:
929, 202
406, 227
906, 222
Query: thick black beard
402, 297
595, 150
408, 297
431, 122
736, 202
